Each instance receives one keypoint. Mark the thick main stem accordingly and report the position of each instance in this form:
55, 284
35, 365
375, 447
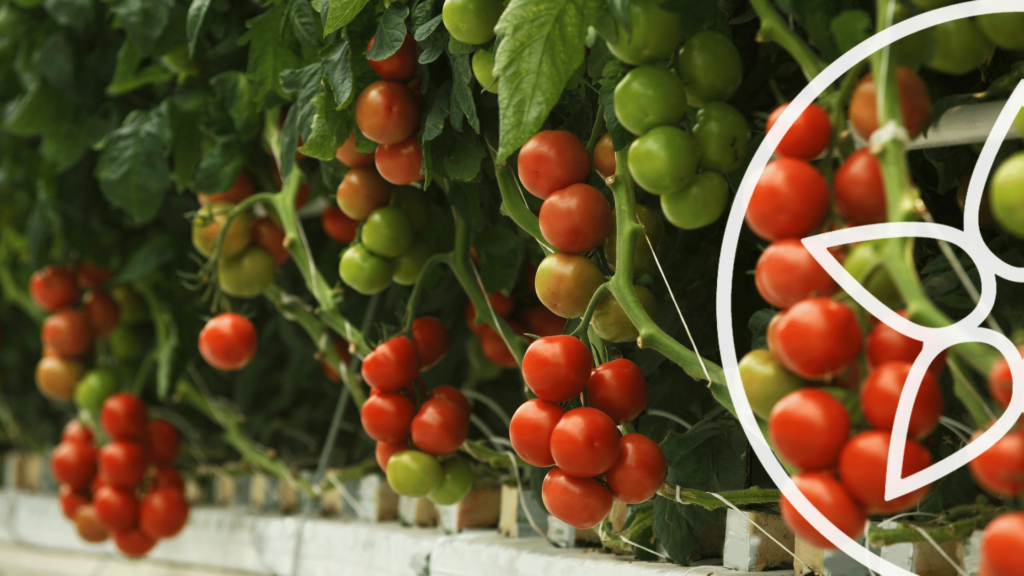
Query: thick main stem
775, 29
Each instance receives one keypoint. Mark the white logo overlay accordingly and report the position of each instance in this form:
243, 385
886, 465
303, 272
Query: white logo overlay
935, 339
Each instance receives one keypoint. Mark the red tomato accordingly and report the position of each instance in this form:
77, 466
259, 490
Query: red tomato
53, 287
341, 347
786, 273
387, 112
133, 543
540, 321
817, 338
885, 344
88, 525
557, 368
338, 226
92, 276
163, 513
1000, 383
579, 502
391, 365
74, 430
531, 428
71, 500
401, 163
1001, 545
604, 156
73, 463
240, 190
431, 339
399, 66
164, 441
228, 341
349, 156
639, 471
167, 477
67, 331
585, 442
387, 417
1000, 469
552, 160
122, 464
302, 195
361, 192
808, 428
791, 200
860, 190
451, 394
117, 509
619, 389
881, 394
269, 237
832, 500
101, 312
440, 427
576, 219
809, 135
862, 467
494, 347
915, 103
385, 450
123, 417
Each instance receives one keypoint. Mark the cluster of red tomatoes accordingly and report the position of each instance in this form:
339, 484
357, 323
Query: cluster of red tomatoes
437, 428
128, 488
387, 220
68, 332
594, 463
252, 249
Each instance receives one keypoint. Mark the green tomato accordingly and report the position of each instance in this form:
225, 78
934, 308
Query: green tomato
766, 381
414, 473
409, 265
364, 271
653, 37
1007, 194
133, 308
647, 97
566, 282
915, 50
1005, 30
483, 70
1018, 122
864, 262
700, 204
643, 258
387, 232
710, 67
456, 484
723, 136
247, 275
206, 225
93, 389
126, 345
960, 47
610, 321
663, 160
471, 21
413, 202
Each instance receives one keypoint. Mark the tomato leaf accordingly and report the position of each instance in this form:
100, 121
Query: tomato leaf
463, 163
390, 32
432, 48
337, 65
680, 528
340, 13
330, 129
235, 94
438, 104
77, 14
620, 11
711, 456
132, 170
305, 23
268, 56
128, 77
304, 83
423, 24
613, 72
849, 28
143, 20
758, 325
194, 23
456, 47
462, 93
157, 250
220, 166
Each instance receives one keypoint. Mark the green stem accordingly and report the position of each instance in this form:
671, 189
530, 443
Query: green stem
514, 207
353, 472
957, 530
775, 29
417, 290
597, 131
581, 330
15, 294
332, 435
705, 500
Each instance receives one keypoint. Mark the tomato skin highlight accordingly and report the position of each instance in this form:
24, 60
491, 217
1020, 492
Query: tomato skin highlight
808, 428
228, 341
860, 190
808, 136
790, 200
619, 389
862, 466
787, 273
391, 365
399, 66
834, 502
576, 219
557, 368
74, 430
387, 417
1000, 469
639, 471
387, 112
531, 428
915, 103
400, 163
53, 287
817, 338
580, 502
585, 443
881, 393
1001, 545
552, 160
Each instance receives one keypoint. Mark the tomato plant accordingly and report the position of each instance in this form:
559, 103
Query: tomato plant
362, 191
400, 163
881, 393
710, 67
565, 283
663, 160
471, 21
859, 190
786, 273
387, 112
647, 97
531, 428
392, 365
862, 467
579, 502
808, 136
816, 338
163, 513
790, 200
585, 442
413, 473
722, 135
915, 103
808, 428
639, 471
557, 368
552, 160
399, 66
766, 381
576, 219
